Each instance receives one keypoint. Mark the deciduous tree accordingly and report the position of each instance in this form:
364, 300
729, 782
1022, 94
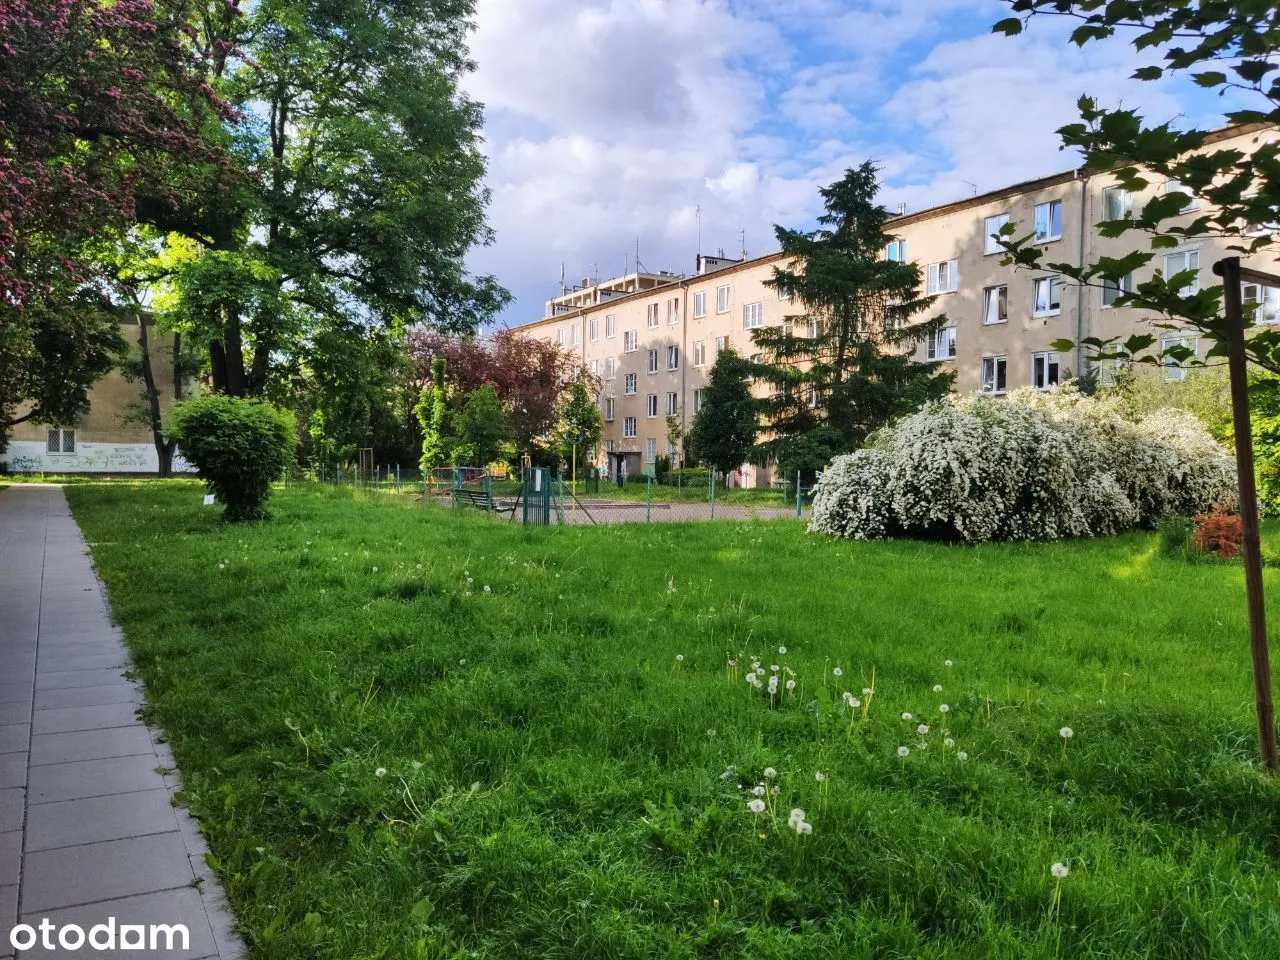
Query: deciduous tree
724, 429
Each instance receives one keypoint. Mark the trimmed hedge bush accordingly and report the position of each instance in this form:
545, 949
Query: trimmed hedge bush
688, 477
238, 446
1033, 466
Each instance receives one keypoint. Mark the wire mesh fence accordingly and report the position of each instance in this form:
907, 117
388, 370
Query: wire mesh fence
536, 496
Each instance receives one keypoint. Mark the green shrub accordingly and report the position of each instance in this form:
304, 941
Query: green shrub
1175, 535
688, 477
239, 447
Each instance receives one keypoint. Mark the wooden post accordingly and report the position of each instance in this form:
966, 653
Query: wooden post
1229, 270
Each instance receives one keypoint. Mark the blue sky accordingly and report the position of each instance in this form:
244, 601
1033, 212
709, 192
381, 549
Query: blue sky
608, 120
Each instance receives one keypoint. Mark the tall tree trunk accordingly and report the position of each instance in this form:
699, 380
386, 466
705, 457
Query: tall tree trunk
164, 449
234, 347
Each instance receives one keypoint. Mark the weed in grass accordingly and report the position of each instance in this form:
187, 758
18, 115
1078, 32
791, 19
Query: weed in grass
399, 764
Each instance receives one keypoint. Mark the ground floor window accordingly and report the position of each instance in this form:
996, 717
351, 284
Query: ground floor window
60, 440
994, 374
629, 427
1044, 370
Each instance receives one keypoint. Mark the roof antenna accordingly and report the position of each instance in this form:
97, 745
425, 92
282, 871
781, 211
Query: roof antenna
563, 288
742, 235
972, 186
699, 215
640, 267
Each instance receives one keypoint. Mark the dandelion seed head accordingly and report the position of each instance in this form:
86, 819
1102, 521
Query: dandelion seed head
937, 688
791, 684
770, 773
756, 806
962, 755
922, 729
758, 790
837, 672
946, 663
679, 658
943, 708
820, 777
907, 716
1066, 733
1059, 870
948, 742
782, 650
866, 691
903, 751
380, 772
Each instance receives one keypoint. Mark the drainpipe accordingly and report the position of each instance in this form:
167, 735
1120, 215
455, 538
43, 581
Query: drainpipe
1085, 226
684, 363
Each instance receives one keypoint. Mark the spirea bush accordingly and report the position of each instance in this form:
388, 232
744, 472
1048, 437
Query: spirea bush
1030, 466
239, 447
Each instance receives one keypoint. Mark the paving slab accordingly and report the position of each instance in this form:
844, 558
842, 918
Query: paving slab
88, 826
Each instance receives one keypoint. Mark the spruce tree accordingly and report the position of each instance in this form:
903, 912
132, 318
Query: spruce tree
724, 429
843, 367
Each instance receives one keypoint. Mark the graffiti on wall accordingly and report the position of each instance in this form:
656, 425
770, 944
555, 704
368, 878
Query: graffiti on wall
30, 457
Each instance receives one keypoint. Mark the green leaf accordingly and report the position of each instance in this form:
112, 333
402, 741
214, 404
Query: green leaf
1010, 27
1064, 346
1210, 78
1147, 73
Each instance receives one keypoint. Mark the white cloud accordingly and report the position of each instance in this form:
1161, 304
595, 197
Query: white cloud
608, 119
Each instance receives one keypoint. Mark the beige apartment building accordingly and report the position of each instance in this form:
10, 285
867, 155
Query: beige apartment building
652, 338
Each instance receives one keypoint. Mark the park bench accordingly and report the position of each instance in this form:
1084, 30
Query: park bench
480, 499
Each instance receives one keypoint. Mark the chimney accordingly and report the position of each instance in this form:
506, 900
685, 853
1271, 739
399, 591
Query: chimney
902, 209
586, 282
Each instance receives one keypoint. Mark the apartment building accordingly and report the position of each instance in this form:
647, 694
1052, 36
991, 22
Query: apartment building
652, 338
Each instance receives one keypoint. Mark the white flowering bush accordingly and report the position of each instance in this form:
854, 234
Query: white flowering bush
1031, 466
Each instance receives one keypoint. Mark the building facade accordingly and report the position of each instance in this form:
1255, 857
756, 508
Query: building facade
653, 346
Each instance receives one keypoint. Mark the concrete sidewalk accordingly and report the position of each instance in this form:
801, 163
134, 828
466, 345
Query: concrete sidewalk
87, 827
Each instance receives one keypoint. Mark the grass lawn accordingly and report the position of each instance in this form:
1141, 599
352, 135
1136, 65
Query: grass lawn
420, 733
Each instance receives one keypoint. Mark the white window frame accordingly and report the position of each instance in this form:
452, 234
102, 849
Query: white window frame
610, 326
991, 383
608, 409
653, 315
1267, 311
673, 403
610, 368
629, 428
559, 336
1113, 290
721, 343
1110, 371
630, 341
724, 298
1172, 371
60, 440
1049, 235
896, 251
699, 353
752, 316
673, 311
1188, 254
941, 345
942, 277
1125, 203
594, 367
1050, 283
575, 335
1041, 362
651, 450
1177, 186
699, 396
995, 292
651, 406
652, 359
990, 228
700, 304
594, 327
630, 385
673, 357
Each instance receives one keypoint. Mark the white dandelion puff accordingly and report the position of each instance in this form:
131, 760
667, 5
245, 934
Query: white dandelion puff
943, 708
837, 672
820, 777
962, 755
907, 716
922, 729
791, 684
946, 663
380, 772
903, 751
756, 806
1066, 733
679, 658
1059, 870
782, 650
758, 790
937, 688
948, 742
770, 773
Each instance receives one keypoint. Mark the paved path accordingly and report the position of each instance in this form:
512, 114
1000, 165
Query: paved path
87, 827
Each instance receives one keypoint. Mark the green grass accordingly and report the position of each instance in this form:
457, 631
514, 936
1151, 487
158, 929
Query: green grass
558, 785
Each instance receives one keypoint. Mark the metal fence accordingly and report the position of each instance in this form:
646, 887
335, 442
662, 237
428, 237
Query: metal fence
536, 496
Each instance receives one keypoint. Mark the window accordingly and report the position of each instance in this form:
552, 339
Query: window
944, 277
575, 333
653, 361
1113, 290
699, 353
650, 450
1048, 296
1175, 263
1044, 370
60, 440
897, 251
721, 343
673, 404
629, 428
610, 325
652, 312
752, 316
724, 298
785, 296
698, 397
673, 312
1174, 186
610, 368
700, 305
651, 405
1117, 203
1049, 221
671, 449
630, 341
816, 329
673, 358
995, 305
608, 409
595, 329
993, 374
942, 344
594, 366
1175, 368
1265, 301
629, 385
1110, 371
560, 336
990, 232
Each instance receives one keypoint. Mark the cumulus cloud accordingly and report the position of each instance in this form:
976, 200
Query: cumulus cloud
608, 120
